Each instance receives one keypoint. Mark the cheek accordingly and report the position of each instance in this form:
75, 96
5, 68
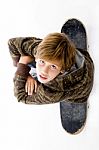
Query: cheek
53, 74
37, 68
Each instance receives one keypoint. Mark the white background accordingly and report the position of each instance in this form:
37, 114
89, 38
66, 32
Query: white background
28, 127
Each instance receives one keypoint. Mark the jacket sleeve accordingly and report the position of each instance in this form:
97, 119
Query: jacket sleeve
42, 96
22, 46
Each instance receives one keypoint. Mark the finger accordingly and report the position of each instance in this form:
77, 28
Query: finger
35, 86
26, 87
30, 88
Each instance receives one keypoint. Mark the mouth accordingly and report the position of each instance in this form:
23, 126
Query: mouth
42, 77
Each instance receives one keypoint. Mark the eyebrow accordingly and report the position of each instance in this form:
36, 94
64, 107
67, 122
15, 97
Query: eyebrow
50, 63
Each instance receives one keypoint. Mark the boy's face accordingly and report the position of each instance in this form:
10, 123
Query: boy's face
47, 70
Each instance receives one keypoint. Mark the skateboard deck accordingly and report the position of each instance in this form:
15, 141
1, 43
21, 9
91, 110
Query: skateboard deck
76, 32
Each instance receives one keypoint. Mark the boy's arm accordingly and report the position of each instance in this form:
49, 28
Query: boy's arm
22, 46
42, 95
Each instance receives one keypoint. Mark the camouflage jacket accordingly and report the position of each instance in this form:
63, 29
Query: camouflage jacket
74, 86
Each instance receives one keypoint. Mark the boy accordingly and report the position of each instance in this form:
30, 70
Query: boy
52, 65
63, 73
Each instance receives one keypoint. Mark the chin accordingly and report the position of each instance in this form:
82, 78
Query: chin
42, 81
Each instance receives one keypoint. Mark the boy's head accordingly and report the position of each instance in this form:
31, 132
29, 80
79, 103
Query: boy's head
57, 50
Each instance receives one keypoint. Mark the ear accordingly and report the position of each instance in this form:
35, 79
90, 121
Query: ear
62, 71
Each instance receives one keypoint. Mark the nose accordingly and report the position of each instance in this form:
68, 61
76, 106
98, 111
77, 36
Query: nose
45, 70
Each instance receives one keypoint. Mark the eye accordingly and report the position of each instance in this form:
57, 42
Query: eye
53, 67
41, 62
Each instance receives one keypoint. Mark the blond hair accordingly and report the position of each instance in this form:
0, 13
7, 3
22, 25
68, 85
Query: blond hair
57, 46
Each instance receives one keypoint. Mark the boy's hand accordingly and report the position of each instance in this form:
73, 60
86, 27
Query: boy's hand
31, 85
25, 59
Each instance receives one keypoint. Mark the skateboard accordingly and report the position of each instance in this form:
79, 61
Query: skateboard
76, 32
73, 115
